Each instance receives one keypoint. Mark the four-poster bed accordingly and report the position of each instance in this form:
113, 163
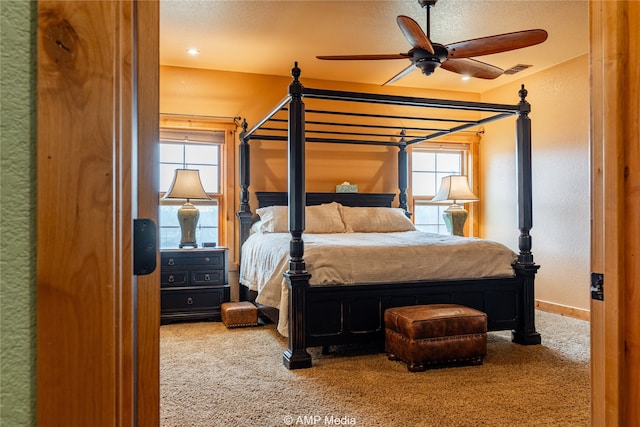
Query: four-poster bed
345, 313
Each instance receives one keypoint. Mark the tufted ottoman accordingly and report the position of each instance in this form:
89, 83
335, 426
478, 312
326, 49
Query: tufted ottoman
239, 314
423, 335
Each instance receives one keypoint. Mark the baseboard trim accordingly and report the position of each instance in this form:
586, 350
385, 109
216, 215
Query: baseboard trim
564, 310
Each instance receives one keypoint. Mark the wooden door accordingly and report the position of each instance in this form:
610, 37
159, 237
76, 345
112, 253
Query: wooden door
615, 187
97, 324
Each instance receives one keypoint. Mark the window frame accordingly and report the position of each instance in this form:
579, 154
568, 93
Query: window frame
201, 124
468, 147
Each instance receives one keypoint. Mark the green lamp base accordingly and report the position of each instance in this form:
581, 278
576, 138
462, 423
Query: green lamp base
188, 216
454, 218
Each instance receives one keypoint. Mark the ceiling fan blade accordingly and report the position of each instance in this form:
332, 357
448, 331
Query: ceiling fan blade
364, 57
413, 33
400, 75
496, 44
472, 68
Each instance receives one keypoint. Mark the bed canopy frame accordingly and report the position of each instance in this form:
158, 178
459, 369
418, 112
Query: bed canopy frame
293, 122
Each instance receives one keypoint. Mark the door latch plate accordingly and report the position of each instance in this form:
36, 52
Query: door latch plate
144, 246
597, 286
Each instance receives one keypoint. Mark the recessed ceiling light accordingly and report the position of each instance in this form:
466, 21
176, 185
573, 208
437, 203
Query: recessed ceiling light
465, 78
193, 51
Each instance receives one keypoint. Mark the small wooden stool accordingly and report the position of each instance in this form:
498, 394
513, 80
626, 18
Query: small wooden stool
422, 335
239, 314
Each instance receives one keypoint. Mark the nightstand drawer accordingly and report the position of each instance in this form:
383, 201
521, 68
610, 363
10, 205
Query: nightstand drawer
174, 278
192, 299
193, 283
208, 277
201, 260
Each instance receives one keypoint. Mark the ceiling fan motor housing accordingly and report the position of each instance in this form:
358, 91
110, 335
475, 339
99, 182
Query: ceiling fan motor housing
428, 62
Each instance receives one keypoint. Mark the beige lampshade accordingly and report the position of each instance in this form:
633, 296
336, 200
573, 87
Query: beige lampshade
455, 188
186, 185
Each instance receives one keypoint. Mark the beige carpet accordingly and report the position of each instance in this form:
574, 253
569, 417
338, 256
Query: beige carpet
213, 376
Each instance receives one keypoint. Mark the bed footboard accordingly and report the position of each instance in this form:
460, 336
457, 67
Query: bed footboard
338, 315
347, 314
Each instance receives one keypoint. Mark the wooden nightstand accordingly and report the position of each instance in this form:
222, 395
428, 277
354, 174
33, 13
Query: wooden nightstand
194, 283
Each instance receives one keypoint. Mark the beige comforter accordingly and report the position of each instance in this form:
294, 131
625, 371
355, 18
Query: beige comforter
365, 258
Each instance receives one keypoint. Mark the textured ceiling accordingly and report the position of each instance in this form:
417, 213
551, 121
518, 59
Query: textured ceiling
267, 37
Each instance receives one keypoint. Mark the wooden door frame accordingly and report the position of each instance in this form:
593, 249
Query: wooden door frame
615, 187
148, 286
72, 359
97, 125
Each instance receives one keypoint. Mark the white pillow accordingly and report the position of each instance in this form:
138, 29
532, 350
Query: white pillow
273, 219
375, 220
325, 218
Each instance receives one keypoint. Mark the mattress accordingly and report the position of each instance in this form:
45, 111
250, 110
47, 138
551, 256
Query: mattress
367, 258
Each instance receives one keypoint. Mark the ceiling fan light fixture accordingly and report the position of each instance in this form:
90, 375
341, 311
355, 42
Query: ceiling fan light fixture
428, 62
428, 65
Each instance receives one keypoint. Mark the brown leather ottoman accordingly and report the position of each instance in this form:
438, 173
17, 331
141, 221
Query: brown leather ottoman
238, 314
422, 335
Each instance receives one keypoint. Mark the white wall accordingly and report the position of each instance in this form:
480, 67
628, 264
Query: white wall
561, 192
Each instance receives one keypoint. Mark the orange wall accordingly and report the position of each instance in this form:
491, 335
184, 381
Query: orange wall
560, 159
252, 96
561, 194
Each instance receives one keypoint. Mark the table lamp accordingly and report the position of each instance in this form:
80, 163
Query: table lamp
455, 189
187, 185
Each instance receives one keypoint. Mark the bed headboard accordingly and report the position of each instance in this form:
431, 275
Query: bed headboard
277, 198
280, 198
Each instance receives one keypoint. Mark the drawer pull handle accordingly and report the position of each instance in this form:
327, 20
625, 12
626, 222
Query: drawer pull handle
171, 261
171, 279
189, 300
207, 259
207, 277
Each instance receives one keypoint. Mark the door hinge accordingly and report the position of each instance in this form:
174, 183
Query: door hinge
144, 246
597, 286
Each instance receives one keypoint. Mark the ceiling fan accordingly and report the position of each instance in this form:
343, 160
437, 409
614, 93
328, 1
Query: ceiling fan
456, 57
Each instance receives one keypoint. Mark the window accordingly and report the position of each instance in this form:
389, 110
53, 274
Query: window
428, 167
189, 149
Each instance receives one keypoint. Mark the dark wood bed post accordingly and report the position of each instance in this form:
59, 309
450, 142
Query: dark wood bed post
244, 210
296, 356
524, 266
403, 177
